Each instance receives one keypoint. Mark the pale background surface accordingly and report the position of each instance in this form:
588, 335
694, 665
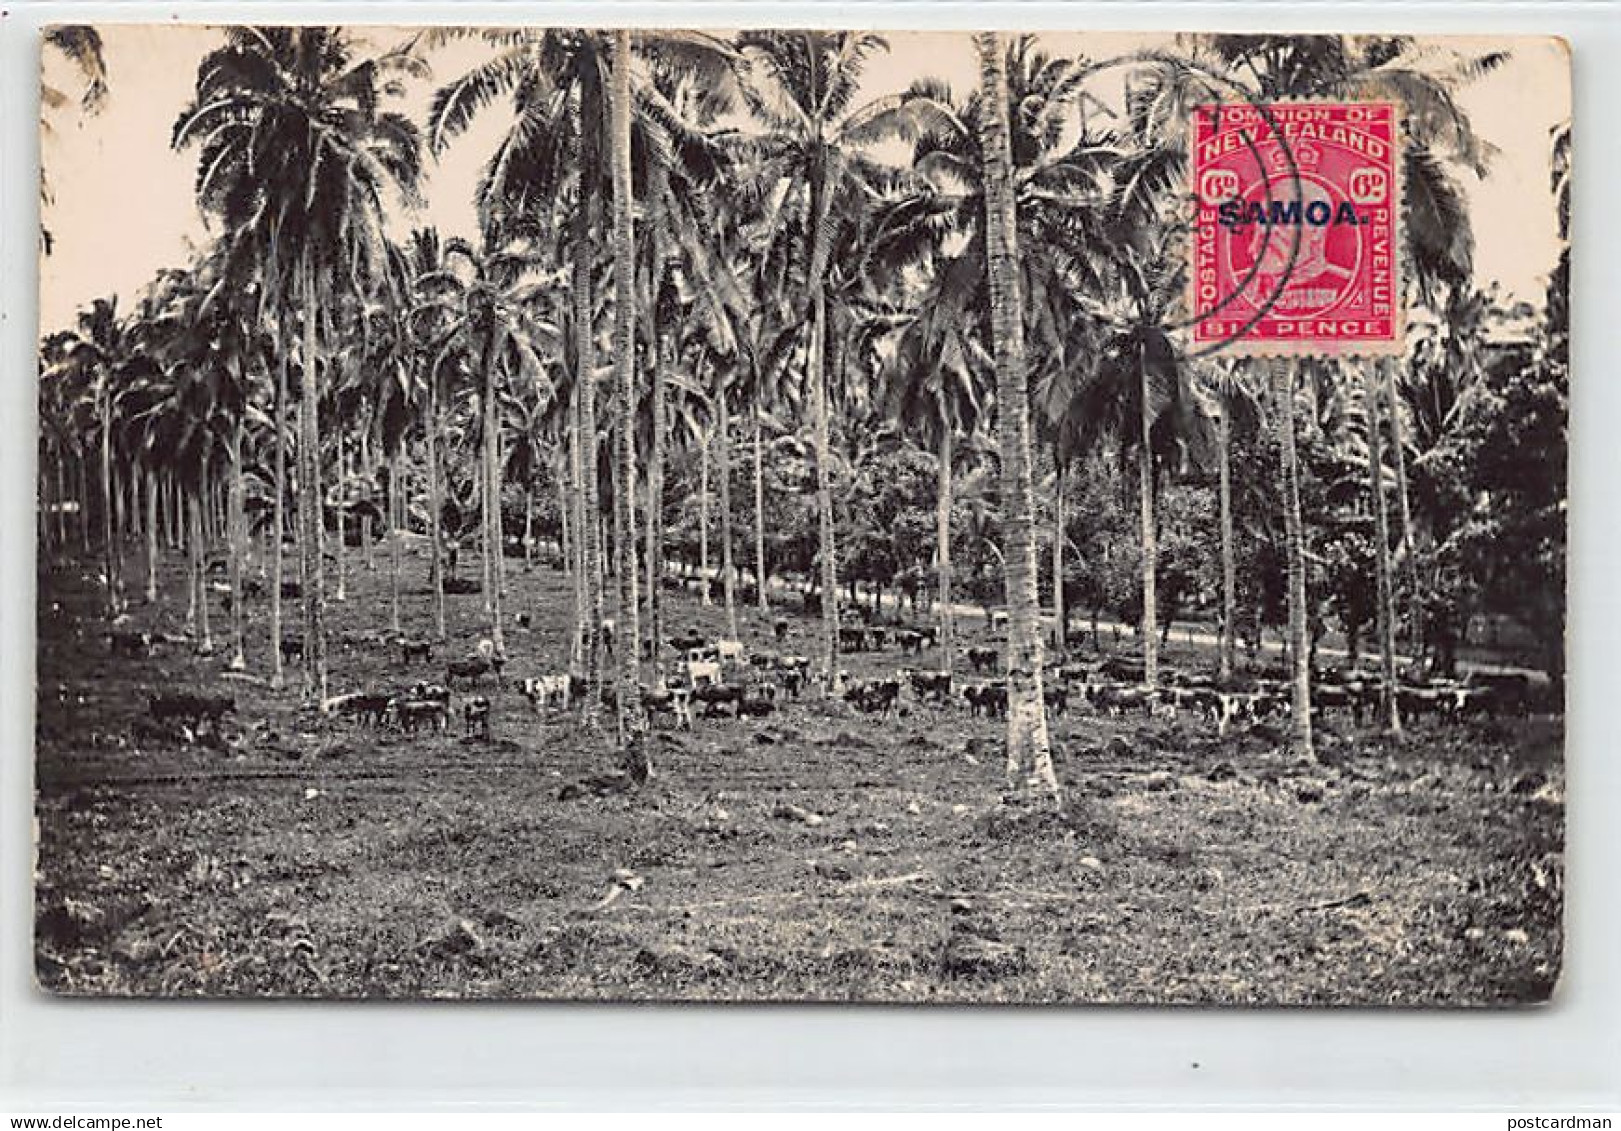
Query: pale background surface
84, 1055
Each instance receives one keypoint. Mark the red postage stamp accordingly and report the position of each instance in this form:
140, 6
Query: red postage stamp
1297, 229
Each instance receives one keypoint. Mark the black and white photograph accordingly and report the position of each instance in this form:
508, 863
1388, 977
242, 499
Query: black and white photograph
660, 515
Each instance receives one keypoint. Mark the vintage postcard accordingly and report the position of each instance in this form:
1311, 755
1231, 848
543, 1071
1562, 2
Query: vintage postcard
773, 515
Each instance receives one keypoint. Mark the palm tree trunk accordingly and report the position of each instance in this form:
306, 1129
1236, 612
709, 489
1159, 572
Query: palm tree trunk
1060, 640
703, 520
584, 251
824, 484
278, 515
236, 525
528, 527
1409, 537
760, 571
582, 608
391, 529
624, 337
151, 480
492, 502
1386, 611
1229, 559
1294, 535
942, 538
723, 464
205, 638
436, 507
367, 530
84, 503
1029, 753
659, 349
110, 554
311, 549
343, 533
177, 514
1150, 562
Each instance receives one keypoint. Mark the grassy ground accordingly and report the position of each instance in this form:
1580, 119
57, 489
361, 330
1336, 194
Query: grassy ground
308, 857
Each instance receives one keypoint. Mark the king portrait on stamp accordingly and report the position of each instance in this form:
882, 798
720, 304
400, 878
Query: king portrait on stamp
1296, 246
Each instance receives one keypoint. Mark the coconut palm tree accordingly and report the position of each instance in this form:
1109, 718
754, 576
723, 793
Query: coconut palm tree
91, 358
1029, 753
293, 146
801, 89
482, 303
934, 389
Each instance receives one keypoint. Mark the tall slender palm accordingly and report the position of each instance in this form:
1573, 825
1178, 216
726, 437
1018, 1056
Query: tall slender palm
481, 312
801, 89
935, 389
293, 146
96, 351
624, 343
1372, 394
1029, 753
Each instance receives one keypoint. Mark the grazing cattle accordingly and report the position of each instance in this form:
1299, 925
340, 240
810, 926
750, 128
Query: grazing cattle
812, 604
1467, 701
729, 651
673, 701
608, 625
368, 707
1056, 696
292, 648
1511, 692
1419, 702
1329, 697
415, 650
548, 693
1117, 699
764, 661
852, 639
412, 715
688, 643
703, 672
1122, 671
987, 699
124, 642
190, 708
758, 701
910, 641
791, 680
422, 689
1229, 707
476, 717
932, 686
717, 698
982, 659
780, 628
472, 669
875, 696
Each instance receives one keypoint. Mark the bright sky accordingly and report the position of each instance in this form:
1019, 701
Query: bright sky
124, 209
